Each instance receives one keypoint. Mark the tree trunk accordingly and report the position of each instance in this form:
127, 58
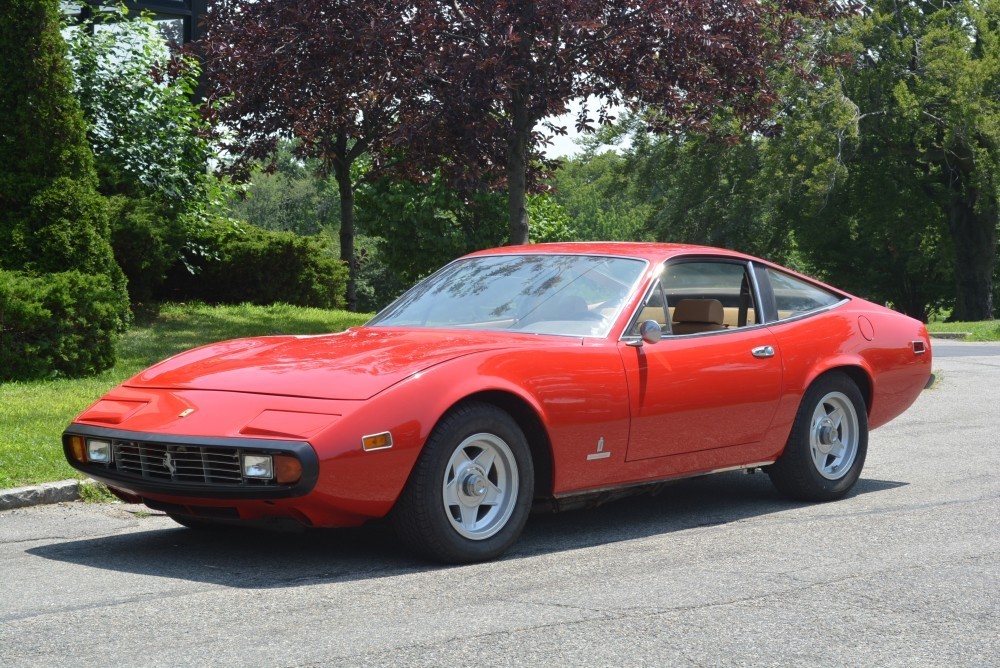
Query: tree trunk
342, 174
974, 234
517, 170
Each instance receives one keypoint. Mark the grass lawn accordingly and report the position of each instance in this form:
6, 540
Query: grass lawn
987, 330
34, 414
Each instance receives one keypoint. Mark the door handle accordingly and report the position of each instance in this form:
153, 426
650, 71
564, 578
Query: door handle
763, 351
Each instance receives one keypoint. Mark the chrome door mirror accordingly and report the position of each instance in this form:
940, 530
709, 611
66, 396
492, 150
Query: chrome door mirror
650, 331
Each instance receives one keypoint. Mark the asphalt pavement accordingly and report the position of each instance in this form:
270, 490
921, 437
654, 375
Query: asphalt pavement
714, 571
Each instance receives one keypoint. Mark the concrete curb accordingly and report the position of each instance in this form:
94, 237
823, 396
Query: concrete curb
36, 495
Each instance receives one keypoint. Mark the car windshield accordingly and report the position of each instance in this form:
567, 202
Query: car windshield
573, 295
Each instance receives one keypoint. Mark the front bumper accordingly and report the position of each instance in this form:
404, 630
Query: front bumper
191, 466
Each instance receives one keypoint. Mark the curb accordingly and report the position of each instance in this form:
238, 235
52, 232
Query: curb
36, 495
956, 336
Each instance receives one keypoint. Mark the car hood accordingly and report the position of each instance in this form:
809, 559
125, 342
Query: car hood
352, 365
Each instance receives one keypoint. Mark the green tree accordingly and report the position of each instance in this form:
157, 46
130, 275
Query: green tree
292, 196
52, 218
550, 221
899, 151
879, 171
153, 149
426, 225
600, 195
64, 299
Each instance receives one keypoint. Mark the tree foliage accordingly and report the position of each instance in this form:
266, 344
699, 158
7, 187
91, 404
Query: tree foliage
501, 67
292, 196
900, 151
603, 199
52, 219
880, 174
423, 226
337, 76
153, 149
147, 135
43, 133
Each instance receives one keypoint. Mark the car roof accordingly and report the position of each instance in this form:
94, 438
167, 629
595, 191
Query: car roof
653, 252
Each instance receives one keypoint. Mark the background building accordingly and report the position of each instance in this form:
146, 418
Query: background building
179, 20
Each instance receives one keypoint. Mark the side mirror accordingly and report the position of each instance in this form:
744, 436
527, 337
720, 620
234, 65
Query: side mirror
650, 331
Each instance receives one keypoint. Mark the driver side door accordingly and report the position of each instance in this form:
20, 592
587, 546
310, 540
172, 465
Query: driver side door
715, 377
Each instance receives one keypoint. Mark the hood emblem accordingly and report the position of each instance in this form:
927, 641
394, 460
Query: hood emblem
185, 413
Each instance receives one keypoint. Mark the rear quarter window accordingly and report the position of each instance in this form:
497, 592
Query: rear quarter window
794, 296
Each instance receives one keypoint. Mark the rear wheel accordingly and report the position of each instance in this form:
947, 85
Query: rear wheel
470, 491
828, 443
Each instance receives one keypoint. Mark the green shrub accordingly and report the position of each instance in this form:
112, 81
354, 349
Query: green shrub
147, 241
63, 228
58, 324
52, 218
234, 263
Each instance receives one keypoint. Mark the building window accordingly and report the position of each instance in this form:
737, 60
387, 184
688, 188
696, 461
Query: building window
178, 20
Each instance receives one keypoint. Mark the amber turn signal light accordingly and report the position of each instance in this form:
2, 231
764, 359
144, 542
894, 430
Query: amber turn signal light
78, 448
376, 441
287, 469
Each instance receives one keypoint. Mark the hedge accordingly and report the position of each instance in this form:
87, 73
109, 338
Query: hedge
242, 263
61, 324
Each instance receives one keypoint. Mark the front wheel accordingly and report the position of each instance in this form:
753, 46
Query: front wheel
470, 491
828, 443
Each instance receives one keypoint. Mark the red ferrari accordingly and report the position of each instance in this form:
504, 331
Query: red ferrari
513, 377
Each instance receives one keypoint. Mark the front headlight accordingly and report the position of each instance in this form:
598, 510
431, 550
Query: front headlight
258, 466
98, 451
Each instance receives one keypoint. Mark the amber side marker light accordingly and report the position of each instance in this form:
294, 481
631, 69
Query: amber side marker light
78, 448
287, 469
376, 441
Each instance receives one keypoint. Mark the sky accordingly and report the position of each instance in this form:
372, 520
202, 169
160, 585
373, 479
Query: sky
565, 146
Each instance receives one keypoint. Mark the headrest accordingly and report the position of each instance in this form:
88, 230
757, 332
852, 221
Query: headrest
700, 310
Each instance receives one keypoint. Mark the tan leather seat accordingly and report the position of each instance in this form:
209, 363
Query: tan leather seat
694, 316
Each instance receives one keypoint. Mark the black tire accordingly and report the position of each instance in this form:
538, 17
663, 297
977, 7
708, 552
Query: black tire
806, 471
454, 509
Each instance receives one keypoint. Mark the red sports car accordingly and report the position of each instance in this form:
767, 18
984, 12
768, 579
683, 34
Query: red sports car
513, 377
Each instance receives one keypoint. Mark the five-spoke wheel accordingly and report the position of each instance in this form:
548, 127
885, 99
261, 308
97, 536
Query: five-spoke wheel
469, 494
827, 445
480, 486
834, 436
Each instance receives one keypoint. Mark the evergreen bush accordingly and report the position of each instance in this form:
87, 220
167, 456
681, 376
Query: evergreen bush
65, 227
147, 242
52, 218
59, 324
243, 263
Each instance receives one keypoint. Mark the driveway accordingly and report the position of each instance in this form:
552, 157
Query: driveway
714, 571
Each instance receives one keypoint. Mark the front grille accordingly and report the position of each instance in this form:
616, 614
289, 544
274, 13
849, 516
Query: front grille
182, 463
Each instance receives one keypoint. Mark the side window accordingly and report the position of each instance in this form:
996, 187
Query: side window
708, 296
698, 297
793, 296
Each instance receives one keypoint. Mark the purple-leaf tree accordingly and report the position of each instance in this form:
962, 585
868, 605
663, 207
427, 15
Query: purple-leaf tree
501, 67
336, 75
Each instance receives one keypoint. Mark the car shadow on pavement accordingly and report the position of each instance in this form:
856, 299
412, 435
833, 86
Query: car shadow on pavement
258, 559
